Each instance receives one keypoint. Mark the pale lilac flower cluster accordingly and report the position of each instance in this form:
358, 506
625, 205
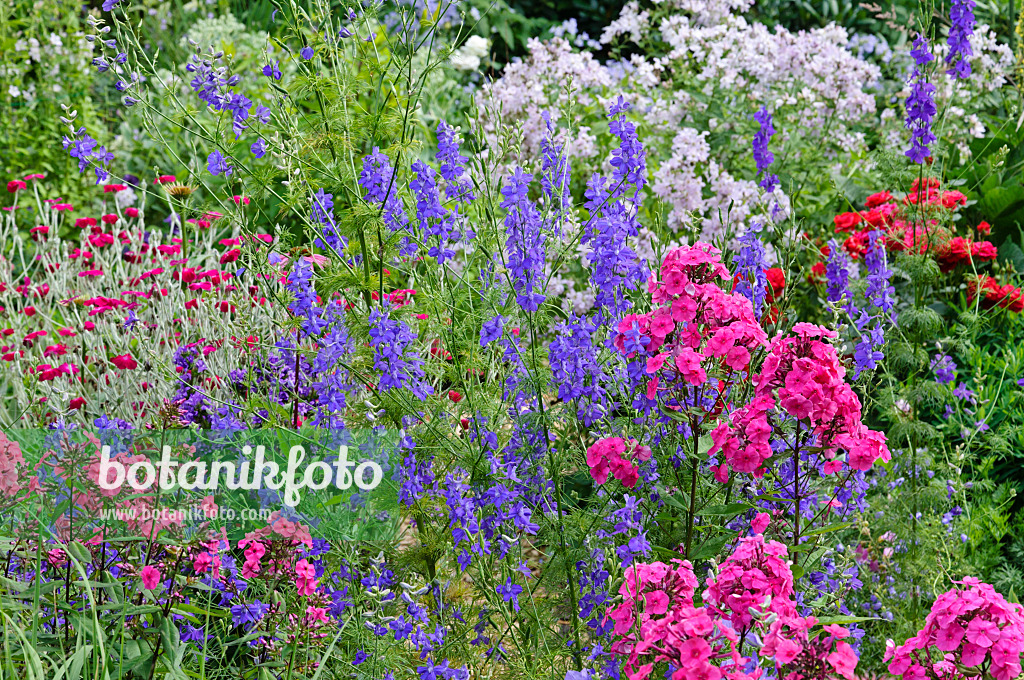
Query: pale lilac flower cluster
719, 53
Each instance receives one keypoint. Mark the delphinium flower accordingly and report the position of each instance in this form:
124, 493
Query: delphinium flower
628, 160
751, 268
88, 152
452, 164
213, 85
328, 238
762, 156
837, 277
576, 369
525, 242
273, 71
510, 592
332, 382
392, 356
415, 477
192, 403
435, 220
920, 104
961, 18
378, 180
217, 165
944, 368
614, 265
881, 295
305, 303
491, 330
555, 175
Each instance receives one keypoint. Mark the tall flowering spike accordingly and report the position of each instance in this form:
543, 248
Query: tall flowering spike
378, 180
879, 291
763, 158
399, 365
961, 17
555, 174
628, 161
322, 208
453, 164
434, 218
332, 382
576, 369
305, 303
615, 266
920, 104
881, 295
837, 277
751, 268
525, 243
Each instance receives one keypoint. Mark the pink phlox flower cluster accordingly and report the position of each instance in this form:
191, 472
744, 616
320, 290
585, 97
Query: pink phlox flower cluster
305, 578
799, 656
615, 455
695, 323
753, 591
657, 622
254, 552
804, 378
971, 626
756, 576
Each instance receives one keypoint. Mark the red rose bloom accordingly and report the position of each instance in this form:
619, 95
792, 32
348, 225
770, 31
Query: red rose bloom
847, 221
983, 250
951, 199
954, 253
857, 244
776, 282
817, 274
875, 200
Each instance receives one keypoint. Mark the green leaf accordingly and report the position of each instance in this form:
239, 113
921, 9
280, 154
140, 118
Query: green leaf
712, 546
829, 528
729, 510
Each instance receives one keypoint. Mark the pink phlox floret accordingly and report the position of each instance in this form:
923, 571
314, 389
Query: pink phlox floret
971, 624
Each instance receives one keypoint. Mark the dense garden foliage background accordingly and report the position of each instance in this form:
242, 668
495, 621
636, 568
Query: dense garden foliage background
687, 335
